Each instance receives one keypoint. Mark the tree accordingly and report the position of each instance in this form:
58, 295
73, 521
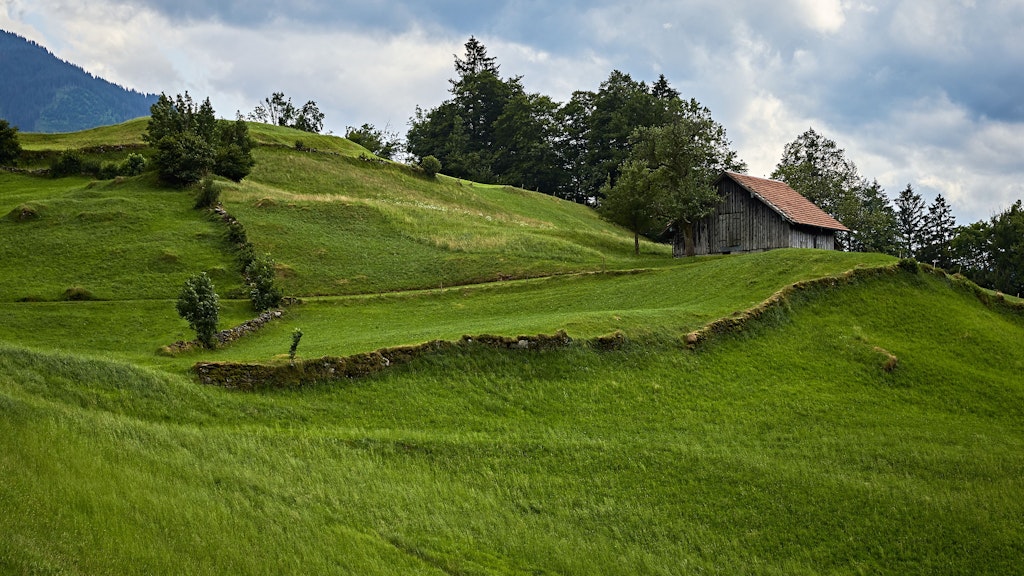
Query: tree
191, 143
279, 111
476, 60
599, 127
939, 227
199, 305
971, 250
684, 158
263, 292
632, 202
873, 222
460, 132
525, 138
1007, 249
817, 168
10, 148
382, 143
909, 222
234, 155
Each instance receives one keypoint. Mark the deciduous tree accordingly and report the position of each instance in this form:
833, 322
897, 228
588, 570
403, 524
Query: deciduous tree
633, 201
10, 148
683, 160
199, 305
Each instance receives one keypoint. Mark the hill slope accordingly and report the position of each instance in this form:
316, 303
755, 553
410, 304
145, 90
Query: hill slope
42, 93
753, 455
865, 423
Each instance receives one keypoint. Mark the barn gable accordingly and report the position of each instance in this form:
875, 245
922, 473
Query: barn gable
758, 214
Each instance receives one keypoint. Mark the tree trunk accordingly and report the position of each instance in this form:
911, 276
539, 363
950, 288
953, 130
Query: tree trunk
683, 243
636, 243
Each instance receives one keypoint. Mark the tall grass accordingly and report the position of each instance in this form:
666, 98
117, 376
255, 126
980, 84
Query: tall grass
750, 455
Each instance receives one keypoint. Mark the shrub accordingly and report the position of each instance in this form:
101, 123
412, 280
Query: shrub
199, 305
133, 165
92, 168
207, 193
296, 336
67, 163
430, 165
908, 265
263, 293
236, 233
108, 171
299, 145
184, 159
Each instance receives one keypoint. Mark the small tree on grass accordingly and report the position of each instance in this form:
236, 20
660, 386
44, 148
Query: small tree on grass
296, 336
632, 201
262, 290
199, 305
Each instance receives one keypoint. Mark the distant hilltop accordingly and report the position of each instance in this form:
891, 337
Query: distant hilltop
42, 93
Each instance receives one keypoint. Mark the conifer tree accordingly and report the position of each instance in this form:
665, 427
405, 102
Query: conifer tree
909, 223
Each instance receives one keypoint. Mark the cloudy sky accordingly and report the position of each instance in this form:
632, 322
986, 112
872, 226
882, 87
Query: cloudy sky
927, 92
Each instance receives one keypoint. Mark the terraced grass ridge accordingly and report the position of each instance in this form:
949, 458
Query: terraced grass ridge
790, 412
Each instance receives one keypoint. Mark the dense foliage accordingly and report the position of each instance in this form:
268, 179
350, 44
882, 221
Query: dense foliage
199, 305
674, 166
191, 143
992, 253
10, 148
491, 130
41, 93
263, 291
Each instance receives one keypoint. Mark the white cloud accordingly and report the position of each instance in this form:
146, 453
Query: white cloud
825, 16
920, 92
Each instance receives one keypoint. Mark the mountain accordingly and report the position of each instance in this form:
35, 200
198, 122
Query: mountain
42, 93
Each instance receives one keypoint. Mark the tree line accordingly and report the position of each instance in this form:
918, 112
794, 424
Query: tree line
648, 159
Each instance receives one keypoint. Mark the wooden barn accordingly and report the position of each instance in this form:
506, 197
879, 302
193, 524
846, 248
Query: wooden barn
758, 214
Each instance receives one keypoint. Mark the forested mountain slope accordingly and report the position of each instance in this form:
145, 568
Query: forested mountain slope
42, 93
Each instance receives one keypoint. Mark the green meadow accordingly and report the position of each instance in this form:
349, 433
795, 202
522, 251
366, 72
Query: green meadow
868, 424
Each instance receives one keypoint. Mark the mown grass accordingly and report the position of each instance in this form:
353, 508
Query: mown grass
750, 455
659, 303
341, 225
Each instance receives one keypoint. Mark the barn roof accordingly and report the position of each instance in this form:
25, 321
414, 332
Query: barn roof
786, 201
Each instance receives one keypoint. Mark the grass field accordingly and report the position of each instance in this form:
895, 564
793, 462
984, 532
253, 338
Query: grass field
864, 426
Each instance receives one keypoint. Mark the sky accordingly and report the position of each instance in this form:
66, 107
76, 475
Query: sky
922, 92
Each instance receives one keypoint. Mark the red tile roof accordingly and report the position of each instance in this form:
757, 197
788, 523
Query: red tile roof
786, 201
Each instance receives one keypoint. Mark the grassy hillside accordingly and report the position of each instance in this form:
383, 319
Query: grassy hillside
752, 455
869, 424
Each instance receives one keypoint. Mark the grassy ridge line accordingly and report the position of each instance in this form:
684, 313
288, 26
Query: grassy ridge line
782, 299
254, 376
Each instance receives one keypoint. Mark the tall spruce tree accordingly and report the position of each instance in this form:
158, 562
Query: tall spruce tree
938, 231
910, 224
